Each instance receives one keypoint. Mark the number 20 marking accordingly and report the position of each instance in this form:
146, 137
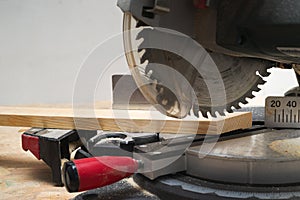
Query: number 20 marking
275, 104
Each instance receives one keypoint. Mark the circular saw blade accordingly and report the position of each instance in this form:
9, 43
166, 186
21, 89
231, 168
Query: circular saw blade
237, 77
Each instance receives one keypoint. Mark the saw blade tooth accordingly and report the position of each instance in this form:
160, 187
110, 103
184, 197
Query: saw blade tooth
196, 110
140, 35
144, 58
229, 110
237, 106
256, 89
204, 114
221, 110
244, 101
251, 96
145, 35
138, 43
261, 81
148, 72
265, 72
213, 114
221, 113
152, 77
141, 52
140, 24
247, 99
148, 67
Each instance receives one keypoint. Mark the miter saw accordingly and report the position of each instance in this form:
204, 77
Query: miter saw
242, 38
205, 57
208, 56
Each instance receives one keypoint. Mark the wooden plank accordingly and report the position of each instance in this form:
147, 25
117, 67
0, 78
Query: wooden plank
118, 120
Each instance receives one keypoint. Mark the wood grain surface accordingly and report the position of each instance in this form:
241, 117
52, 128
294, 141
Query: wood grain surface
118, 120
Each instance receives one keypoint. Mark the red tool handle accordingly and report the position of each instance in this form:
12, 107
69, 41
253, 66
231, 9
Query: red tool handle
89, 173
201, 4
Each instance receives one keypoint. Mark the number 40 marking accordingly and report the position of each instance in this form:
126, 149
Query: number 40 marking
292, 104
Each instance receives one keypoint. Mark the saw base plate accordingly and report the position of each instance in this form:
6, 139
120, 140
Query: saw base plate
182, 186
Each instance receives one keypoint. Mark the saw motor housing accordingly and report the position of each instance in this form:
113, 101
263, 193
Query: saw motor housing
254, 28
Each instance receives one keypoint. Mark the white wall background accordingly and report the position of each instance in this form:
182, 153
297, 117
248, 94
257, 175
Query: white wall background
43, 43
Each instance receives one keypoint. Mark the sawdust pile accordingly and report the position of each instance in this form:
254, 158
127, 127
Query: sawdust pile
287, 147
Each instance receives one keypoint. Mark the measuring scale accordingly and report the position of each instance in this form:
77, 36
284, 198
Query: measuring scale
282, 112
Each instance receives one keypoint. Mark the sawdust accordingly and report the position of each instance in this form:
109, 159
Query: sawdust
22, 176
4, 172
287, 147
